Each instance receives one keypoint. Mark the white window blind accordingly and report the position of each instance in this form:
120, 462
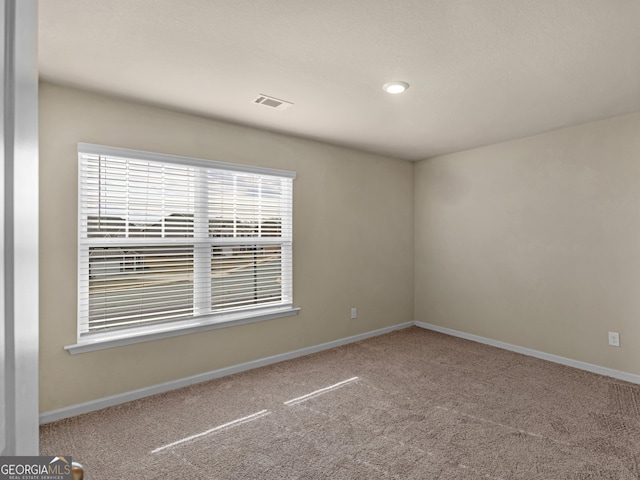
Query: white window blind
164, 239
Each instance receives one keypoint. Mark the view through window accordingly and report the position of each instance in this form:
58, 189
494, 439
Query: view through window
164, 239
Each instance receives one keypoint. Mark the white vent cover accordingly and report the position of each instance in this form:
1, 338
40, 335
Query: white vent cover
271, 102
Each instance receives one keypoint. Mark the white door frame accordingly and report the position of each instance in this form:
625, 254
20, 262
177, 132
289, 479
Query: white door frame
19, 342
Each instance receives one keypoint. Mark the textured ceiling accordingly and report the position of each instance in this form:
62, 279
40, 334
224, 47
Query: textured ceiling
481, 71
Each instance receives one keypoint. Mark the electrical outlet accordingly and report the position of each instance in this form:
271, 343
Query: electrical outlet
614, 339
354, 313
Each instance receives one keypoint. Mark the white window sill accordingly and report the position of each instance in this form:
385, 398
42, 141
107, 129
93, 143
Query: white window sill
101, 341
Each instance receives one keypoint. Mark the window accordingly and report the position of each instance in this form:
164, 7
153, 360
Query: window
170, 243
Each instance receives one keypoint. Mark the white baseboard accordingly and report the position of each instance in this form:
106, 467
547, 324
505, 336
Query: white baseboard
120, 398
609, 372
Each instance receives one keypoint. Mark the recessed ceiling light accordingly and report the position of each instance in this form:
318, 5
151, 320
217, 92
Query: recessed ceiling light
395, 87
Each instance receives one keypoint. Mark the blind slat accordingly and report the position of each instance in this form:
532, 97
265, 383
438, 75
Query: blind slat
151, 230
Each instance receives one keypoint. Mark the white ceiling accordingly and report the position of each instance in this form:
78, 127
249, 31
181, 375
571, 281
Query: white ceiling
481, 71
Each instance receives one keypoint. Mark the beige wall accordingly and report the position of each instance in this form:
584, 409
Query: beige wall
536, 242
353, 244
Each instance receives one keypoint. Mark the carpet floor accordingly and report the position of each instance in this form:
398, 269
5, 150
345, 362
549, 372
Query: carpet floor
411, 404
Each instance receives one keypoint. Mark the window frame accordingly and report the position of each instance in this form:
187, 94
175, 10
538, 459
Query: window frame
89, 341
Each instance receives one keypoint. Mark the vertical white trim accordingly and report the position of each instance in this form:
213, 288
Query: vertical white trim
5, 380
201, 252
83, 281
286, 231
20, 219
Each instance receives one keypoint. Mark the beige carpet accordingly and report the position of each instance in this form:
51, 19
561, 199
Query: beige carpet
423, 406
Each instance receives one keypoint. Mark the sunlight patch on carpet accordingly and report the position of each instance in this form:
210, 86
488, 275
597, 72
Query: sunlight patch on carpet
233, 423
297, 400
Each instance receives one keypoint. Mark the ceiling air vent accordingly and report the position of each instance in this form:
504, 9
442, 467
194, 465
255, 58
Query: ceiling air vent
271, 102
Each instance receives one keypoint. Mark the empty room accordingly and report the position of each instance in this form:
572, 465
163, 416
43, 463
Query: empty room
336, 239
